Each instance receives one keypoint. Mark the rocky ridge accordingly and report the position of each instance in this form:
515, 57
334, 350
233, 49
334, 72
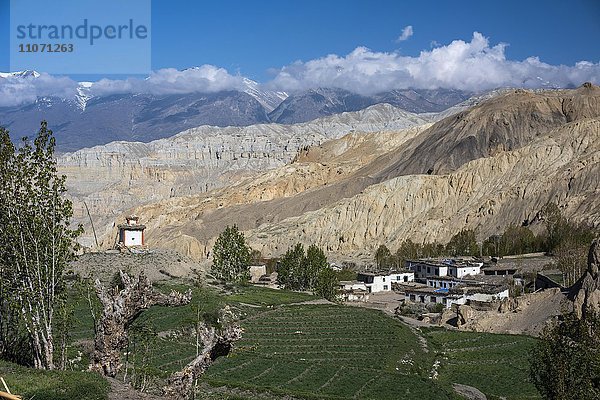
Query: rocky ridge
120, 175
487, 174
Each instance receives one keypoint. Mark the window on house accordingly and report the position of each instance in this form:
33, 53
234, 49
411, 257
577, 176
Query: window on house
428, 270
384, 278
406, 279
385, 287
433, 299
412, 297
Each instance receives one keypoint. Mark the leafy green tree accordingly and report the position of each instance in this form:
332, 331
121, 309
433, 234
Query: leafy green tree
298, 270
556, 226
464, 243
316, 261
517, 240
433, 249
408, 250
231, 256
383, 257
326, 284
565, 363
290, 269
36, 239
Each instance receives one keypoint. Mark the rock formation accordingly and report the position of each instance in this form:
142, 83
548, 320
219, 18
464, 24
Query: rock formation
495, 164
118, 176
585, 294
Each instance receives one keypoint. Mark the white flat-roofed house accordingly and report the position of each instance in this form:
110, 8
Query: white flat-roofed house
382, 281
353, 291
425, 269
461, 270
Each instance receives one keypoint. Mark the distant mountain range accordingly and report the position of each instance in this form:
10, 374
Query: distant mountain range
87, 120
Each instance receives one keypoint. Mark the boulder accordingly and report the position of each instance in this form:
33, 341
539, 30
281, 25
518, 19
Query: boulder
464, 313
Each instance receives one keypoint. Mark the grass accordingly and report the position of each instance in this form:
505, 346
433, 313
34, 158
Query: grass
53, 385
324, 351
495, 364
327, 352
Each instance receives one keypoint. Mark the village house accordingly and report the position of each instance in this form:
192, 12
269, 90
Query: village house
460, 294
382, 281
353, 291
256, 271
131, 234
456, 268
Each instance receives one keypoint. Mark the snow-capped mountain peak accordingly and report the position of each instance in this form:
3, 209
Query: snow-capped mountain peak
20, 74
268, 99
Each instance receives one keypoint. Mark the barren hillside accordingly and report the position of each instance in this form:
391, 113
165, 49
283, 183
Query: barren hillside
493, 165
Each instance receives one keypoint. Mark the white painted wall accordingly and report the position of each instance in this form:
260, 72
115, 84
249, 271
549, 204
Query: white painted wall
459, 272
132, 238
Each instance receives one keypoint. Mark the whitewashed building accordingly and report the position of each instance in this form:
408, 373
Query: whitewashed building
131, 234
382, 281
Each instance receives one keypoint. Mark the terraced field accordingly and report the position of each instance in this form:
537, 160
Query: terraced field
328, 352
324, 351
495, 364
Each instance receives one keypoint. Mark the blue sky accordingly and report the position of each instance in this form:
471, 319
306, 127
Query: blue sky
252, 37
355, 45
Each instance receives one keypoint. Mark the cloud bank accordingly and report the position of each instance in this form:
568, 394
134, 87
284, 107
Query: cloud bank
204, 79
474, 66
18, 89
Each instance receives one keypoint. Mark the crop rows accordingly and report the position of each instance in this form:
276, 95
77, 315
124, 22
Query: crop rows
323, 352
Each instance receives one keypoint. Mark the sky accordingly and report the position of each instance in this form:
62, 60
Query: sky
363, 46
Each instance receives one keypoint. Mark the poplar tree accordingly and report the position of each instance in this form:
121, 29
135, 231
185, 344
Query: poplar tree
36, 240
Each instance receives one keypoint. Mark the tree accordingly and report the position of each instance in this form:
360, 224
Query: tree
120, 307
565, 363
36, 240
516, 240
316, 261
383, 257
464, 243
231, 256
326, 285
408, 250
298, 270
556, 226
290, 270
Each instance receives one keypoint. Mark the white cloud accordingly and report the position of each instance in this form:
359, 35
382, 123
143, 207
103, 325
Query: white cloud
473, 65
16, 90
406, 33
206, 79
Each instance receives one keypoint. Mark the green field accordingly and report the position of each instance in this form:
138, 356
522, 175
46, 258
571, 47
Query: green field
53, 385
495, 364
321, 351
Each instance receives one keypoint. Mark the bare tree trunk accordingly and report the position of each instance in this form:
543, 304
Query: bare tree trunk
180, 385
120, 309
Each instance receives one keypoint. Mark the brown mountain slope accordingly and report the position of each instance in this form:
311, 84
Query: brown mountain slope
504, 123
517, 135
485, 194
314, 167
